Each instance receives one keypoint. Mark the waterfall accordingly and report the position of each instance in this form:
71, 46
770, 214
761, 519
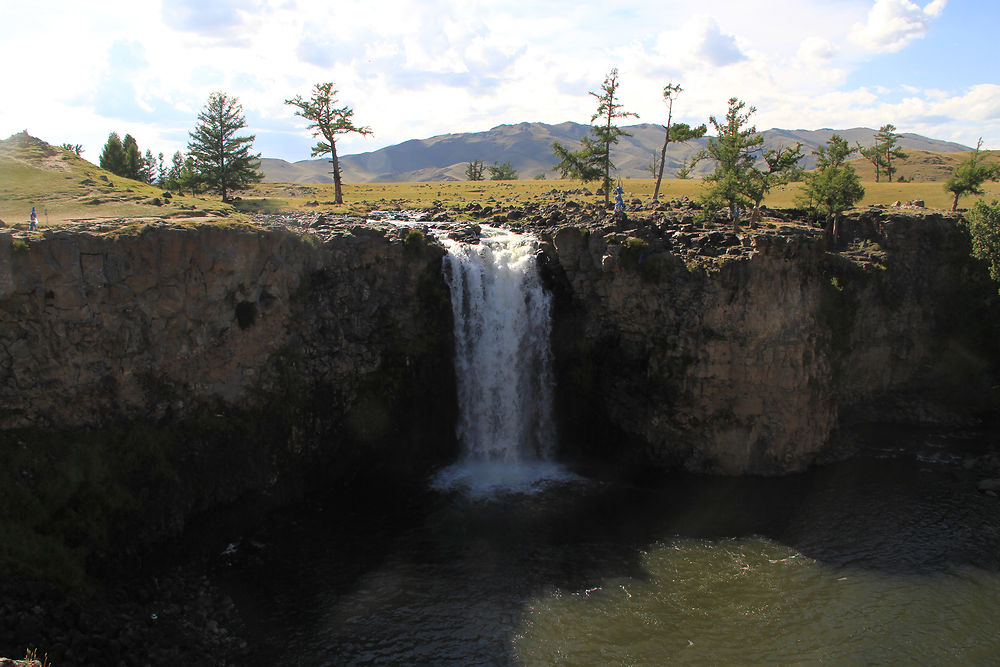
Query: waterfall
502, 365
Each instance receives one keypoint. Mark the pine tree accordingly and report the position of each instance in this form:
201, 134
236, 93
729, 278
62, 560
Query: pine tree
503, 172
133, 158
593, 160
221, 159
734, 151
983, 222
885, 142
147, 167
327, 121
680, 132
474, 170
873, 155
969, 176
113, 155
173, 179
161, 170
834, 186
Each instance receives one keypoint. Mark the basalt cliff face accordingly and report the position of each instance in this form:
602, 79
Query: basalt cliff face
747, 354
152, 372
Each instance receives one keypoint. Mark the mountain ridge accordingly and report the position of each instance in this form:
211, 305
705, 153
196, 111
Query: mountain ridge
528, 147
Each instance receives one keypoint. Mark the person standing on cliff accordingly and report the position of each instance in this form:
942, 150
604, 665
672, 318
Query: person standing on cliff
34, 220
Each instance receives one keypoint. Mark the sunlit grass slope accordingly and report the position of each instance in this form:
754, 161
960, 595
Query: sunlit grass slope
64, 187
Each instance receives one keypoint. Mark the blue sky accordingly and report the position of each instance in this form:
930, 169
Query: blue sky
412, 70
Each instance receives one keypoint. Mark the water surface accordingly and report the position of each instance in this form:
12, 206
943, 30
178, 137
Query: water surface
894, 557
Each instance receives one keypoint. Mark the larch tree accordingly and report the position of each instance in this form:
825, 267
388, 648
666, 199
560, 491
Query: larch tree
834, 186
873, 155
968, 177
885, 143
734, 151
593, 161
474, 170
983, 222
113, 155
328, 121
222, 159
133, 158
676, 133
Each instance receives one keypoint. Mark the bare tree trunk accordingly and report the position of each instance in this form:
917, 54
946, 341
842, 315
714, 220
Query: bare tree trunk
338, 197
954, 204
663, 151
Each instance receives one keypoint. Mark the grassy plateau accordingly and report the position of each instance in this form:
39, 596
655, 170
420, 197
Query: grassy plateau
65, 188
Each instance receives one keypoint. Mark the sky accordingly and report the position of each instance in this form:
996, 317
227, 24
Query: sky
76, 71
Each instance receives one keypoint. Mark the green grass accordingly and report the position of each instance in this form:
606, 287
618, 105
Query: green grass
64, 188
363, 197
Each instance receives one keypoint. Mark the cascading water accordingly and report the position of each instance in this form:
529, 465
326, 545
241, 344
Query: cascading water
502, 365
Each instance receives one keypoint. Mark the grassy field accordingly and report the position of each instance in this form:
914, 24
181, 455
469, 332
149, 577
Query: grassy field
361, 198
65, 188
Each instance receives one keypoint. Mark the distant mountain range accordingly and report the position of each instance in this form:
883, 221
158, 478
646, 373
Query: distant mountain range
528, 147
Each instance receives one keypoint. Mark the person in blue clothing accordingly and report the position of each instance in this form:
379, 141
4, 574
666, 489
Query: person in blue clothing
34, 220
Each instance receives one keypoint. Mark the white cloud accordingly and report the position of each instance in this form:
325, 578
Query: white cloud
892, 24
815, 50
413, 70
700, 40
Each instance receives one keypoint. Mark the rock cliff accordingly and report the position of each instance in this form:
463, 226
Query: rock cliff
152, 371
693, 347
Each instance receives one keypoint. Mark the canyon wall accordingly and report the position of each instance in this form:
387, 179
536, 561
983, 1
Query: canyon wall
154, 371
699, 348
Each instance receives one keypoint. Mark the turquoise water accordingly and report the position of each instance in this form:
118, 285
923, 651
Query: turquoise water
891, 558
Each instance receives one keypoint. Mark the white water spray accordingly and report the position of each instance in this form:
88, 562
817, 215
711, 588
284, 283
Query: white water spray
502, 364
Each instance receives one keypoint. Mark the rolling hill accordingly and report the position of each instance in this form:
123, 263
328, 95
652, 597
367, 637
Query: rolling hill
528, 147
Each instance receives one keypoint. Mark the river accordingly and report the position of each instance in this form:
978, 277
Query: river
891, 557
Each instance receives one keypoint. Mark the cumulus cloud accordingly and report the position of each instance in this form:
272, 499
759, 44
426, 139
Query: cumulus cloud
700, 41
217, 18
815, 50
892, 24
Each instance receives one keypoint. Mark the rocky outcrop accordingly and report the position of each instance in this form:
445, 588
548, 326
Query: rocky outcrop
747, 354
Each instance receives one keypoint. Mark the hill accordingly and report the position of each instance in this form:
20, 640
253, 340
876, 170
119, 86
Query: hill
528, 147
63, 187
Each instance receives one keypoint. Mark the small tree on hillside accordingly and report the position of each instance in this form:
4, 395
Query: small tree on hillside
677, 133
873, 155
885, 142
77, 149
593, 161
327, 121
474, 170
968, 177
133, 158
113, 155
834, 187
222, 159
503, 172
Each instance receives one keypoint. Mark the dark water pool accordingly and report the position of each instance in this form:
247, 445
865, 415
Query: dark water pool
893, 557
